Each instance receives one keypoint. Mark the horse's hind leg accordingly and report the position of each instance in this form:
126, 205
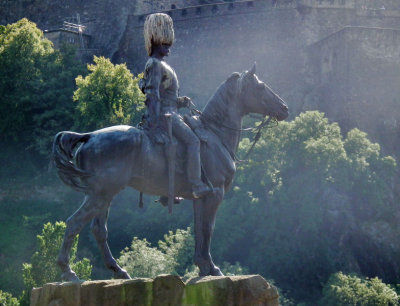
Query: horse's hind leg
205, 210
75, 223
99, 230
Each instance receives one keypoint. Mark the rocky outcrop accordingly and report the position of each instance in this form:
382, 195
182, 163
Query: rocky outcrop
162, 290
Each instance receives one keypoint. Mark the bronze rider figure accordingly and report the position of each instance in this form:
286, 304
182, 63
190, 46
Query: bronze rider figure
161, 86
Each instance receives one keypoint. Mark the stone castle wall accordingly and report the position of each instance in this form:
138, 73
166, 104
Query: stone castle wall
356, 76
287, 38
213, 41
147, 6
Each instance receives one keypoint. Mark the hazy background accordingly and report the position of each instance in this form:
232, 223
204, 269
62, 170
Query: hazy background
314, 199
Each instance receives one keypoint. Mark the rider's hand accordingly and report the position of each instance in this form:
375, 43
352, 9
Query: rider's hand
184, 101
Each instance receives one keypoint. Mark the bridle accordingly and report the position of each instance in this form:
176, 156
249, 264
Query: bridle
257, 129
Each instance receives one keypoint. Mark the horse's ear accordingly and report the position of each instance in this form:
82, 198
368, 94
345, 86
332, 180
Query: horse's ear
253, 69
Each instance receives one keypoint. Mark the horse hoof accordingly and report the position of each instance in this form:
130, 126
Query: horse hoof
69, 276
215, 271
212, 271
122, 274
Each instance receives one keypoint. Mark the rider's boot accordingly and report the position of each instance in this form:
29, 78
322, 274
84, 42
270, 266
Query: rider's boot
199, 189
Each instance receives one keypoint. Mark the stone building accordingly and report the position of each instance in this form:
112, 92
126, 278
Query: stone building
74, 35
60, 36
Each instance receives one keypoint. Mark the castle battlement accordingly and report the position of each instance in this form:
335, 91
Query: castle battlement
368, 8
220, 9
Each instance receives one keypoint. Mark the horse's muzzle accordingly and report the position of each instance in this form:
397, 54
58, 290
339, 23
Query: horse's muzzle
282, 113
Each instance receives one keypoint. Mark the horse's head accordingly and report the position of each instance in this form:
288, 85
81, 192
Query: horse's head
258, 98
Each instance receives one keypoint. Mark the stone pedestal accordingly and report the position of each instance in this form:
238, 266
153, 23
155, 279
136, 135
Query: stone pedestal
163, 290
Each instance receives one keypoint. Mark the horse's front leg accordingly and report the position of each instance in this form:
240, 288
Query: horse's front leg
205, 210
100, 232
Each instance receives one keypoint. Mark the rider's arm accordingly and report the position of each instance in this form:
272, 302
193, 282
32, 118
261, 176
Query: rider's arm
153, 77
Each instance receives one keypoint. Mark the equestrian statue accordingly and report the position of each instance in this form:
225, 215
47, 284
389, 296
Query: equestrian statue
174, 157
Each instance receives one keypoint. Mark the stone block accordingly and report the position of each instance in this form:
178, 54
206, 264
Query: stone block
139, 292
164, 290
167, 290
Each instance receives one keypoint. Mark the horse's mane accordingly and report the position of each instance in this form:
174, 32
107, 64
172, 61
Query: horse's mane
222, 99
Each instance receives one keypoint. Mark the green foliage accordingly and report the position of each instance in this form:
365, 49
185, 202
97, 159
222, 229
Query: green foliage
109, 95
173, 255
344, 289
236, 269
36, 87
25, 207
56, 106
43, 268
6, 299
304, 190
21, 52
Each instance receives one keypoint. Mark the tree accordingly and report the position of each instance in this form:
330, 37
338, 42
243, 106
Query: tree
344, 289
56, 109
43, 268
36, 87
21, 53
306, 203
109, 95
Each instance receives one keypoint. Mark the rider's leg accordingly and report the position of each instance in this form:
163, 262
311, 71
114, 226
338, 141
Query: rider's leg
184, 133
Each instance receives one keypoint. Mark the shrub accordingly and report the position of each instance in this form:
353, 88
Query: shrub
172, 256
43, 267
6, 299
344, 289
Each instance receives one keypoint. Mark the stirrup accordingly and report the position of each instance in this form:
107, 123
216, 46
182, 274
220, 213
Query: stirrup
164, 200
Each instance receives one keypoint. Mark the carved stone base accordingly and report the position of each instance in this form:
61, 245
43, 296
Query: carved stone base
161, 291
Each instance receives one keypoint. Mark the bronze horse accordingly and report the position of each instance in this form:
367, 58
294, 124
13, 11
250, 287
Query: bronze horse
105, 161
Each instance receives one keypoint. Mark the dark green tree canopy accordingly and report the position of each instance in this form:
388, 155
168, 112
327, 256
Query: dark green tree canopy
109, 95
36, 87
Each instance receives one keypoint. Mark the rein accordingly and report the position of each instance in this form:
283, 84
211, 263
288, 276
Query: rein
257, 129
264, 123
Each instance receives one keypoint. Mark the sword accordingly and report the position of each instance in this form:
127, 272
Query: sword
171, 153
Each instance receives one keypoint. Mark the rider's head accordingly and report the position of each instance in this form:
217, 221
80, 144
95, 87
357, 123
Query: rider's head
158, 30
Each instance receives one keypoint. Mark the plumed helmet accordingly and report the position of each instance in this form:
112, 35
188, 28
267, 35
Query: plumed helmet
158, 29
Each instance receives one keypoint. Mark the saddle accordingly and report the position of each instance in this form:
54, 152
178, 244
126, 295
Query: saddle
160, 135
197, 127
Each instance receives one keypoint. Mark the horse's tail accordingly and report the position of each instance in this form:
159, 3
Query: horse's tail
63, 158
